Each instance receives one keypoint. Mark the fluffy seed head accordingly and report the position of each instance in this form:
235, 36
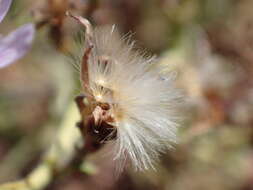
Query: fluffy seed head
142, 103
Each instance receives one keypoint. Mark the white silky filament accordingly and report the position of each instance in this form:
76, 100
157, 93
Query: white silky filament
142, 103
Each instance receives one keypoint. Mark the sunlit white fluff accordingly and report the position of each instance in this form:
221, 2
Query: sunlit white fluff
142, 102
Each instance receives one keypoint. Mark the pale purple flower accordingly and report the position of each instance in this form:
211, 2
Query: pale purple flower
17, 43
4, 7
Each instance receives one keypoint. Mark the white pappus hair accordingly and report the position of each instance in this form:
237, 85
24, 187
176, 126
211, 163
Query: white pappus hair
142, 103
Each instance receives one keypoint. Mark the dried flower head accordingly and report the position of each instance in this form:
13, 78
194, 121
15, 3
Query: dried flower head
123, 91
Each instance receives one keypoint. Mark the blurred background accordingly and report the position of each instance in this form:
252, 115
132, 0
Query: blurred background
207, 43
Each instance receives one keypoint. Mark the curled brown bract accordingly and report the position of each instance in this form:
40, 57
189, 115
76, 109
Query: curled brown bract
87, 51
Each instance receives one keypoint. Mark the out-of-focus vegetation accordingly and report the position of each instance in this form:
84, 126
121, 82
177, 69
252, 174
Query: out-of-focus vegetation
209, 43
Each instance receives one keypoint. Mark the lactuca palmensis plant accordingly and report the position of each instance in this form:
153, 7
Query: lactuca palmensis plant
127, 102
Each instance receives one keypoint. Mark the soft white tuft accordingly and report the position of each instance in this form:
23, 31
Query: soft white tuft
142, 102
